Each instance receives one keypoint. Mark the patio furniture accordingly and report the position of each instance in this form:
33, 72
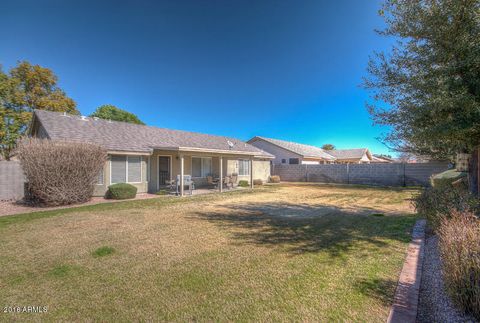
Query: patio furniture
171, 184
187, 181
213, 182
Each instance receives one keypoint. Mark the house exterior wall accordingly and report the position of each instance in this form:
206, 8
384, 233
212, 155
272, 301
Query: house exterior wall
276, 151
142, 187
261, 170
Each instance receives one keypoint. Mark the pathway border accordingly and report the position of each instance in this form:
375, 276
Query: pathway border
405, 304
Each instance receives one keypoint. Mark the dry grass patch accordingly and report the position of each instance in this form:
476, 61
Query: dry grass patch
298, 252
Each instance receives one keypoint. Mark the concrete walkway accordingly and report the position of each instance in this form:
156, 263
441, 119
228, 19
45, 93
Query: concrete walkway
405, 304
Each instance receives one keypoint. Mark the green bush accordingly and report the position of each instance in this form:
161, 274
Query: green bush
437, 203
447, 178
274, 179
121, 191
243, 183
459, 244
257, 182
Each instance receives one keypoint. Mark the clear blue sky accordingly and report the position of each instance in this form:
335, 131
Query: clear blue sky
283, 69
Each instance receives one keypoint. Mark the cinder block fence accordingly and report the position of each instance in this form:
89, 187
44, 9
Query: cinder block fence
397, 174
11, 180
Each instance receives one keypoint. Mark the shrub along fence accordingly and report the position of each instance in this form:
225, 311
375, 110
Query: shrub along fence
12, 181
395, 174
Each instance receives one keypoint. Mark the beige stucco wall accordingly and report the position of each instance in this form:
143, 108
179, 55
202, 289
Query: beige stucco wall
101, 189
261, 170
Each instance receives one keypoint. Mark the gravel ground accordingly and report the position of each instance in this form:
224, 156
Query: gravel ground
434, 304
12, 207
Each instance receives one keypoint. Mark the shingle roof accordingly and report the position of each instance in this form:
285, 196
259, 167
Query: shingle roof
356, 153
122, 136
301, 149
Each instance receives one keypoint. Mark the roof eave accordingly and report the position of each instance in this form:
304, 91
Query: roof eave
218, 151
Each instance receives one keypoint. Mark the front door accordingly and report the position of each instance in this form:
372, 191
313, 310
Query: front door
163, 169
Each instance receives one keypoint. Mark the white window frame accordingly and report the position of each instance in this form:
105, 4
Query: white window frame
248, 163
202, 175
126, 169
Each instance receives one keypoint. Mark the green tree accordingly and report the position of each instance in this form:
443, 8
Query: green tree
111, 112
328, 147
25, 88
427, 88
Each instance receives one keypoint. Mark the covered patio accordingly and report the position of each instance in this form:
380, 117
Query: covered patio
204, 171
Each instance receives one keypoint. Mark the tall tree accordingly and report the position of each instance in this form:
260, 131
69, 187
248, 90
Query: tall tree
25, 88
111, 112
427, 88
328, 147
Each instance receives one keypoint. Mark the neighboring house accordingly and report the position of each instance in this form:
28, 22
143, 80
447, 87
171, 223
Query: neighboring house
352, 156
147, 157
382, 159
287, 152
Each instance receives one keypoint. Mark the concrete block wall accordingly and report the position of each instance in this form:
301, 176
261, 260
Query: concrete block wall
376, 174
326, 173
395, 174
12, 181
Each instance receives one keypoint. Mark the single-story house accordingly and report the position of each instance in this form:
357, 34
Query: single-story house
382, 159
352, 156
147, 157
287, 152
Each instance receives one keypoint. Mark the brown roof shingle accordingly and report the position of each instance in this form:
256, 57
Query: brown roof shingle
301, 149
122, 136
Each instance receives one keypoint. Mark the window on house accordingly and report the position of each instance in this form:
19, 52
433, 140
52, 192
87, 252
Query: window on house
293, 161
243, 167
147, 166
126, 169
284, 161
201, 166
134, 169
119, 169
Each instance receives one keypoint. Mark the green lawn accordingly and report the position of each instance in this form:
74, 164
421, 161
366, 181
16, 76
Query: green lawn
290, 252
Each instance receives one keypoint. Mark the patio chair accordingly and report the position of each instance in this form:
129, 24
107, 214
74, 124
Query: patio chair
171, 185
187, 181
212, 181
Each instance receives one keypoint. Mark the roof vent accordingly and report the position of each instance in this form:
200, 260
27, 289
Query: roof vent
96, 118
230, 144
64, 114
84, 118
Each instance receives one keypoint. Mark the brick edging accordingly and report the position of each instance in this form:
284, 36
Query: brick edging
405, 303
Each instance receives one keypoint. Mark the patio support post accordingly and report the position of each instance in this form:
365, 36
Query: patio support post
220, 184
251, 173
182, 171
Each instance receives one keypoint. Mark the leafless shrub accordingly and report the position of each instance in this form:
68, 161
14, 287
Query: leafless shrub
60, 172
274, 179
257, 181
459, 241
